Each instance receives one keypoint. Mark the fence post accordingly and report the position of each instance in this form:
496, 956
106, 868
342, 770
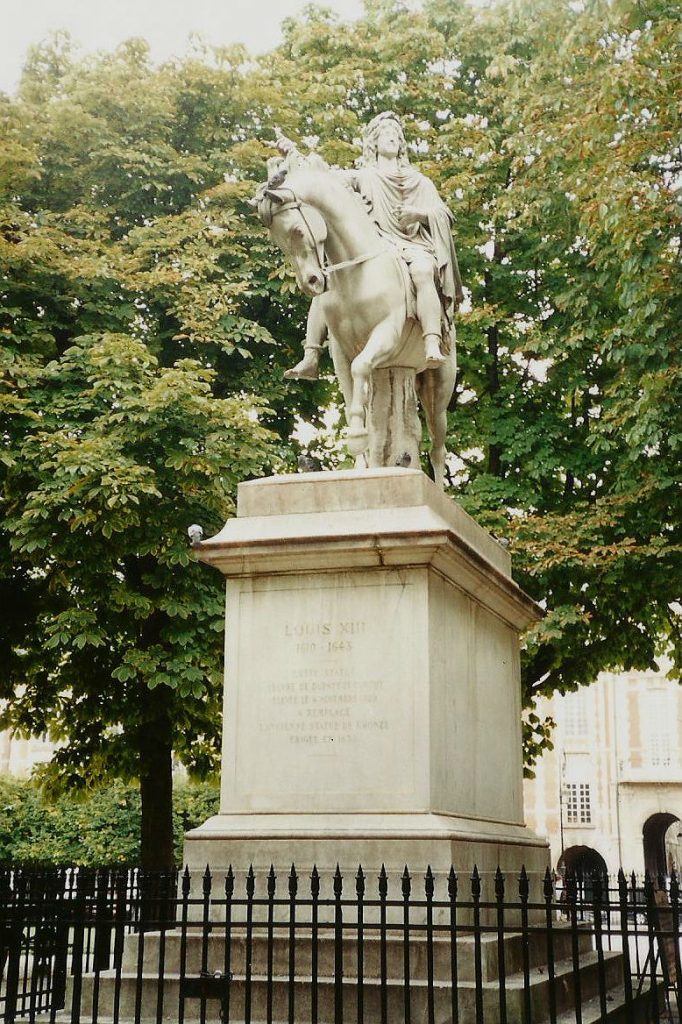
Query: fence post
360, 893
185, 892
625, 940
12, 957
227, 954
652, 955
248, 967
338, 947
524, 890
103, 926
77, 952
271, 889
406, 886
452, 896
314, 951
675, 907
571, 900
478, 971
429, 889
501, 966
61, 948
293, 889
548, 891
597, 892
383, 893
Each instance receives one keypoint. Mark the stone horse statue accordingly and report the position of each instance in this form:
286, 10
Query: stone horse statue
375, 340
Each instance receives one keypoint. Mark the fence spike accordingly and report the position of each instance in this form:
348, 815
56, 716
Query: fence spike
186, 882
383, 883
523, 883
207, 881
314, 882
406, 883
338, 882
360, 882
475, 883
452, 883
229, 883
250, 882
293, 882
548, 884
499, 883
429, 884
272, 881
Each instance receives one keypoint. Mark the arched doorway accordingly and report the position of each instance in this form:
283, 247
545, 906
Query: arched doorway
656, 857
583, 863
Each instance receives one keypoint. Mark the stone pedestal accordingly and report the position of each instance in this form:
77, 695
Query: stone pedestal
372, 698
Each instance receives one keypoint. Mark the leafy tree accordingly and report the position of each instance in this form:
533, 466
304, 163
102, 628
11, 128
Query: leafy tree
588, 453
141, 301
126, 417
552, 131
602, 127
117, 456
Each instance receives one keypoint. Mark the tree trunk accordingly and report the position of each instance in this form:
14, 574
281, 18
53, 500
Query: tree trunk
494, 449
156, 784
157, 857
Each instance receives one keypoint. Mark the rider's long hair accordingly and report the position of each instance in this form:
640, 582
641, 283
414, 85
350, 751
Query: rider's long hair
371, 134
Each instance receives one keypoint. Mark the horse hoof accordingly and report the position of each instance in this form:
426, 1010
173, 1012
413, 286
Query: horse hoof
296, 374
357, 440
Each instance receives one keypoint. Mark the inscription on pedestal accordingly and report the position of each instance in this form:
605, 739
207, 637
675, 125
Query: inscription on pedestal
325, 697
321, 706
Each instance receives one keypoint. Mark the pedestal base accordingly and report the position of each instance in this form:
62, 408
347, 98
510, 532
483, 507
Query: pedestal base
370, 840
372, 689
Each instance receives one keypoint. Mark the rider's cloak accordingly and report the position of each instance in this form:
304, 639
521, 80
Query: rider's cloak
384, 192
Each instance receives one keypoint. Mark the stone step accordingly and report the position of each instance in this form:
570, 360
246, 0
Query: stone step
640, 1012
215, 953
395, 994
564, 987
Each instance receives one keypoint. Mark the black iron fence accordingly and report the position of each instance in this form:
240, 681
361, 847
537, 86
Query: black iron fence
120, 945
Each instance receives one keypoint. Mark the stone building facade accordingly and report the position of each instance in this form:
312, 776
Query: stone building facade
19, 756
610, 792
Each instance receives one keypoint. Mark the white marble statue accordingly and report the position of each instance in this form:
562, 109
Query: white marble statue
373, 248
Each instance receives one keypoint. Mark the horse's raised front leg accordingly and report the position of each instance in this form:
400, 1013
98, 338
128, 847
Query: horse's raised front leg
381, 342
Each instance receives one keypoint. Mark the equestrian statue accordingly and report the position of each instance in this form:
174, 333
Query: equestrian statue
373, 249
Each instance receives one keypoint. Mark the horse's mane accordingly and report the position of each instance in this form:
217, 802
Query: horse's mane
281, 170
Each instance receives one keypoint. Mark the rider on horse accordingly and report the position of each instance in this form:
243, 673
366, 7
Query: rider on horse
409, 214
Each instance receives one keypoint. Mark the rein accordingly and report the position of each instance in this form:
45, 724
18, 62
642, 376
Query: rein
325, 268
332, 268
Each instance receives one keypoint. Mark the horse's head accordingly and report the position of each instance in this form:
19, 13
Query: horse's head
297, 228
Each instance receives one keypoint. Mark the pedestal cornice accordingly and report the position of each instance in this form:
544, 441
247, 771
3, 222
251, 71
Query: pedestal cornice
324, 522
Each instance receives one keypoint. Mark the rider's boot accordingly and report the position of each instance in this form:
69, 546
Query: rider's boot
434, 356
309, 366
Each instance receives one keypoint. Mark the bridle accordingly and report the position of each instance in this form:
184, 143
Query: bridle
324, 266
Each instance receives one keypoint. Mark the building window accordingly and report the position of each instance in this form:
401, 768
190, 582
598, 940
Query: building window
576, 717
660, 718
578, 804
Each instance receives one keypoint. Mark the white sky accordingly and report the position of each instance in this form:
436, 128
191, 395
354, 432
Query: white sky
165, 24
